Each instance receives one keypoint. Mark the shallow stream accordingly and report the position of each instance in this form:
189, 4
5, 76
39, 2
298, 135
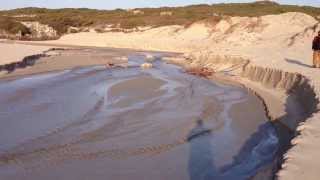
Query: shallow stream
131, 124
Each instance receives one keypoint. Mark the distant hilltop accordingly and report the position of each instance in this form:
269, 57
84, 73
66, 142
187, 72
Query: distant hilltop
266, 2
41, 23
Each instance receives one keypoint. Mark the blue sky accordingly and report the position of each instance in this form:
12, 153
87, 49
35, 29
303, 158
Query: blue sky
112, 4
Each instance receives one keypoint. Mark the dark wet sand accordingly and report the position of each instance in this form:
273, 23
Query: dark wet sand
99, 123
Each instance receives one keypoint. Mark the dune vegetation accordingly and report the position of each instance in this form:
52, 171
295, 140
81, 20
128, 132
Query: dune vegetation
10, 26
62, 19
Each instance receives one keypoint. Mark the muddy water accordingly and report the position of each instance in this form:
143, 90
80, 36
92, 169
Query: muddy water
120, 124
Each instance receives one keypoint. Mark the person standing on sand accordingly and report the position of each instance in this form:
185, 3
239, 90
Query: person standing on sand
316, 51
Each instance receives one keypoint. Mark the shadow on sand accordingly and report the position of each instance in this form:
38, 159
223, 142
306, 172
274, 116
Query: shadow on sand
292, 61
201, 163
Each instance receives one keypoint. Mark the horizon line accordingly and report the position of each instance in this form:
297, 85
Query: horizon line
151, 7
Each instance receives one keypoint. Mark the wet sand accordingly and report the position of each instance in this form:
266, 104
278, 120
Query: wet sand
128, 123
71, 58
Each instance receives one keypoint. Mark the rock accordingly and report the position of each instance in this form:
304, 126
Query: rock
149, 57
200, 71
146, 65
122, 58
40, 30
109, 65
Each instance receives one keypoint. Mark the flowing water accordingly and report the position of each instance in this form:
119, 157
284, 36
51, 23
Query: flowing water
118, 124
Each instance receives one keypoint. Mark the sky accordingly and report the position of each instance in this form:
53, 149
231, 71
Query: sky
113, 4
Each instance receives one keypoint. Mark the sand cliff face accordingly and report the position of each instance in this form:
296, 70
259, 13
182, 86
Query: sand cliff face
26, 61
295, 85
300, 107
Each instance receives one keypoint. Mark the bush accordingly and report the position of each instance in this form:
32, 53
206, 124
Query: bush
62, 19
131, 23
12, 27
99, 30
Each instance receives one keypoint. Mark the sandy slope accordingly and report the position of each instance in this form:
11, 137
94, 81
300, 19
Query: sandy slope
276, 41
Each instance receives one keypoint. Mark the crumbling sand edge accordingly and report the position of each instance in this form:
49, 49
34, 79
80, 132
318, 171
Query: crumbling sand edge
294, 93
267, 172
301, 105
27, 61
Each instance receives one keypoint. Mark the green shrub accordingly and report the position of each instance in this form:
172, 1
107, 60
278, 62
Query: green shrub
62, 19
131, 23
99, 30
12, 27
